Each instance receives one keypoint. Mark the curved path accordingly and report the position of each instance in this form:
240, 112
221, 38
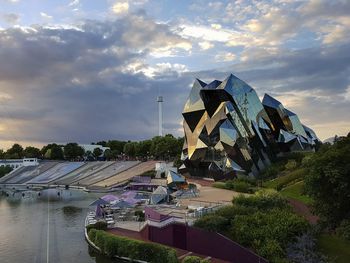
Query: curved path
303, 210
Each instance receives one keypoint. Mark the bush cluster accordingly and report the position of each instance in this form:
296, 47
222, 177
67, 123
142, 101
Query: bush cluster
328, 182
263, 222
288, 162
100, 225
112, 245
194, 259
242, 185
262, 200
291, 178
343, 230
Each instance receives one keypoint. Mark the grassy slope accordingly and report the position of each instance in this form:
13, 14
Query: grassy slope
292, 185
295, 191
335, 247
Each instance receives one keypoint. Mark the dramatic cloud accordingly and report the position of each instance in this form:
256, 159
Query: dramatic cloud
96, 74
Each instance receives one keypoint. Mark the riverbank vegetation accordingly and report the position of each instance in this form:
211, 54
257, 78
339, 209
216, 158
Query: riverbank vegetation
113, 245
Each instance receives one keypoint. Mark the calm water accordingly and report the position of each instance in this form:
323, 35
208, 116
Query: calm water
27, 237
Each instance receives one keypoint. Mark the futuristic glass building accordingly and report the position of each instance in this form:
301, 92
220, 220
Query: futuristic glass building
228, 130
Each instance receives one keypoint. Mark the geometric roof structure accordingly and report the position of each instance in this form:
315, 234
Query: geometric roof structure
159, 195
228, 130
173, 177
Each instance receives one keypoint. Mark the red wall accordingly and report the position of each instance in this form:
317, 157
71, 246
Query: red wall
201, 242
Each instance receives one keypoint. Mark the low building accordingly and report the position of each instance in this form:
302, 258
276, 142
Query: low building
17, 163
92, 147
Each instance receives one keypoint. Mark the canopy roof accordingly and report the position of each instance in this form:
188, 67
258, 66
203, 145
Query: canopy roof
158, 195
110, 198
174, 177
98, 202
122, 204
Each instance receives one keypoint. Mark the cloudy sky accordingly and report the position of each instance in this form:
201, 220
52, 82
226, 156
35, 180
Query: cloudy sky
83, 70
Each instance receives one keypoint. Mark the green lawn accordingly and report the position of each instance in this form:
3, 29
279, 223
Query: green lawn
287, 178
220, 185
295, 191
335, 247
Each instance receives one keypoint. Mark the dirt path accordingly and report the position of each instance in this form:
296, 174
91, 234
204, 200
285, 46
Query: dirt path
303, 210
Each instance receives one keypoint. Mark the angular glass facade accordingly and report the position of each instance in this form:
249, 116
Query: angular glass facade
229, 131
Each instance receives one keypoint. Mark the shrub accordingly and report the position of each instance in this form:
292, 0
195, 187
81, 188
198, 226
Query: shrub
344, 229
140, 214
229, 212
242, 184
273, 170
272, 250
267, 232
262, 200
242, 187
92, 235
172, 257
291, 164
221, 185
100, 225
212, 222
194, 259
100, 240
113, 245
291, 177
191, 259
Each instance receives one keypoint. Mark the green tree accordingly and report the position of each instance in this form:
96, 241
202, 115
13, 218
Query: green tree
15, 152
108, 154
5, 170
97, 152
32, 152
328, 182
129, 149
143, 148
52, 151
116, 146
2, 154
102, 143
73, 151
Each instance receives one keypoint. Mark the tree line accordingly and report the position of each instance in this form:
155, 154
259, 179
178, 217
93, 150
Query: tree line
160, 147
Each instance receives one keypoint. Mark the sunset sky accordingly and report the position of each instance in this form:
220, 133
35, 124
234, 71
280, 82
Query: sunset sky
85, 70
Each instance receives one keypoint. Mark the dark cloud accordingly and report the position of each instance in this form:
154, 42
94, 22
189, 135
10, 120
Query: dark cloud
75, 84
71, 84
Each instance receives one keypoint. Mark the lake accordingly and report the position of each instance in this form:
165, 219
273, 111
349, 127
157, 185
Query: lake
45, 228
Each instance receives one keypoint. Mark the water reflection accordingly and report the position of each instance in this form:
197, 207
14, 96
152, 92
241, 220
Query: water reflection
24, 220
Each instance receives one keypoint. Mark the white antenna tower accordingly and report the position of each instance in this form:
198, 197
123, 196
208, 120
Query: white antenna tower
160, 115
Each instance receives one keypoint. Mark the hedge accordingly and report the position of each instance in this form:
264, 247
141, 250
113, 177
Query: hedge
283, 181
242, 185
100, 225
194, 259
112, 245
262, 200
